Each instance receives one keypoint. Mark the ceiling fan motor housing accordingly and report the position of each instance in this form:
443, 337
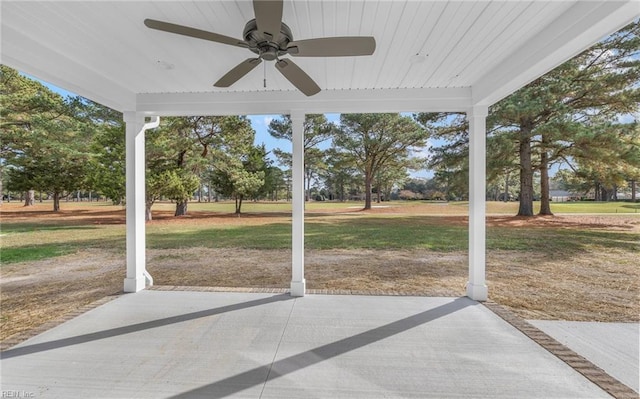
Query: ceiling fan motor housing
264, 44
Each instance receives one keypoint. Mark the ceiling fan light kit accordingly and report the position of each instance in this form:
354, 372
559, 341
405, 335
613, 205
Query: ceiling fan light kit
270, 39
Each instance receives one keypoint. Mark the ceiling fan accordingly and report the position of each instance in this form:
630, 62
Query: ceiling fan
270, 38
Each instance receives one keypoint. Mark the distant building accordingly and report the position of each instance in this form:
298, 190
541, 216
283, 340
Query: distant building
563, 196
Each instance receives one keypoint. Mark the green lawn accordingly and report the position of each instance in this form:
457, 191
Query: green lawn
420, 207
23, 242
595, 207
409, 229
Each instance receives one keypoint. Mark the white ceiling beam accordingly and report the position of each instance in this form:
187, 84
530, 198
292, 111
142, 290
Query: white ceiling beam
327, 101
572, 32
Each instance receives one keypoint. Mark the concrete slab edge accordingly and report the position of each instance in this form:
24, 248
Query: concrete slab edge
259, 290
583, 366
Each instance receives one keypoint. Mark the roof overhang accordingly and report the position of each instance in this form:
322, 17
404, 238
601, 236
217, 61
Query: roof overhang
468, 52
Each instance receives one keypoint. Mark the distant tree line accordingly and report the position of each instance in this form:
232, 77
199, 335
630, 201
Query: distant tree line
582, 115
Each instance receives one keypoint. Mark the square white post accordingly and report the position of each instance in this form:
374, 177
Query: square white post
476, 286
297, 212
135, 185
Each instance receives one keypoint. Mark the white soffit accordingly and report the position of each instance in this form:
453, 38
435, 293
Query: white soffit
430, 55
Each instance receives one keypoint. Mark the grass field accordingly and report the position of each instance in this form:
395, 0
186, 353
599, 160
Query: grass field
428, 207
581, 264
408, 225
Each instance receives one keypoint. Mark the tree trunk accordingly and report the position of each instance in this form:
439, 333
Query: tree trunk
378, 195
506, 188
209, 192
367, 191
633, 190
181, 208
29, 198
147, 211
56, 202
605, 195
526, 173
238, 205
545, 203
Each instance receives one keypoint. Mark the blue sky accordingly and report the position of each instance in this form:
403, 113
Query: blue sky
259, 123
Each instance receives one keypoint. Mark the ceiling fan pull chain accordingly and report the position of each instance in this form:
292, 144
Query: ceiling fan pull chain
265, 74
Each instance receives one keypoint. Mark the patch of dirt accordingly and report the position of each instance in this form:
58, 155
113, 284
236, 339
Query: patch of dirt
591, 287
107, 214
611, 222
35, 293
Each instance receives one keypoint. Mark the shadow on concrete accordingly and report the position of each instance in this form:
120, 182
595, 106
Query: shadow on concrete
113, 332
232, 385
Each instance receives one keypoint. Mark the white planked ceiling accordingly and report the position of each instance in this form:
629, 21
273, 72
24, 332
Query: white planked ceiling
102, 49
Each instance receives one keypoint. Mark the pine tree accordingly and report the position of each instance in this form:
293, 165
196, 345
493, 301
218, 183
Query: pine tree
378, 141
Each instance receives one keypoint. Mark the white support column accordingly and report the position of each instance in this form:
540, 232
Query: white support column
137, 274
476, 287
297, 224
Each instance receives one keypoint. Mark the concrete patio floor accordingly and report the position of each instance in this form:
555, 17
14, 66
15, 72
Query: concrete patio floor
614, 347
176, 344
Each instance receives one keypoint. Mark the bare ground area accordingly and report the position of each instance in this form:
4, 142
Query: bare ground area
589, 286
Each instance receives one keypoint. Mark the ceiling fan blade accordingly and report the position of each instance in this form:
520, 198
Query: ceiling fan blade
192, 32
333, 46
238, 72
268, 16
297, 77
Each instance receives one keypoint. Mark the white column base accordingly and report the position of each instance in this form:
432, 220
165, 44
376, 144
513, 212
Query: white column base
134, 284
298, 288
147, 278
477, 292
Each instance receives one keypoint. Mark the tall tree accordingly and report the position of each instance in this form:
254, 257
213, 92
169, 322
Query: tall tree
377, 141
316, 129
545, 122
274, 183
106, 168
601, 83
340, 175
187, 146
450, 160
56, 161
44, 143
607, 167
393, 174
241, 177
26, 106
